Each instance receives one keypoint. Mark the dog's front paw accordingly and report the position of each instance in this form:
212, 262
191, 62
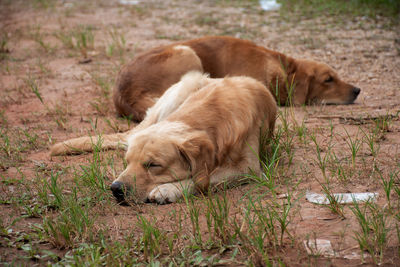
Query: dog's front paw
165, 193
58, 149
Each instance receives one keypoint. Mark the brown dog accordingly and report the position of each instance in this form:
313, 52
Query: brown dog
291, 81
201, 132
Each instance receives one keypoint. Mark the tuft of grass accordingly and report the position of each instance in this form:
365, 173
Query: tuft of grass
334, 205
151, 239
102, 102
383, 123
93, 178
269, 164
206, 20
14, 142
286, 134
81, 39
117, 45
371, 139
103, 83
31, 82
263, 227
114, 125
3, 119
73, 224
84, 39
322, 160
4, 51
217, 215
193, 209
174, 37
50, 193
354, 145
39, 38
388, 184
46, 71
373, 236
58, 111
66, 38
342, 171
45, 4
103, 252
302, 132
310, 43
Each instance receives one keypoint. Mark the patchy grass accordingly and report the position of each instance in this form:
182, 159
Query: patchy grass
80, 39
14, 142
60, 211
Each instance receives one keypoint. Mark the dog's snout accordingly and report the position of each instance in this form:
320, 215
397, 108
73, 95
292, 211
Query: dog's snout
356, 91
118, 189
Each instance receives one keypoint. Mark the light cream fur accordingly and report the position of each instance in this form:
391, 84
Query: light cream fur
201, 132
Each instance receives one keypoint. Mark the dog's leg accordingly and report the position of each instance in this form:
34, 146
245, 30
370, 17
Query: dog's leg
88, 143
250, 164
171, 192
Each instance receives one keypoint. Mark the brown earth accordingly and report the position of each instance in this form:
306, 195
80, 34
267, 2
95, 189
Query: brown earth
75, 84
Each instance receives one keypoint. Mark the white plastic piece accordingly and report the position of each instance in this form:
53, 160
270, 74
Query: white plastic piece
342, 198
129, 2
269, 5
352, 256
320, 247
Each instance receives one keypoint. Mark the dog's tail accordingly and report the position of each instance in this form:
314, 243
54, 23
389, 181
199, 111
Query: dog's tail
90, 143
170, 101
195, 78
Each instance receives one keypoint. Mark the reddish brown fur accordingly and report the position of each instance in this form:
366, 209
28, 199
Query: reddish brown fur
151, 73
146, 78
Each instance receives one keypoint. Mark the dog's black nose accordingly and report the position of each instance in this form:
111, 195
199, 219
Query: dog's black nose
118, 190
356, 91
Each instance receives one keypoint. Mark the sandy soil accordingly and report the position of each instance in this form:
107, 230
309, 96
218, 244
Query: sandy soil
76, 101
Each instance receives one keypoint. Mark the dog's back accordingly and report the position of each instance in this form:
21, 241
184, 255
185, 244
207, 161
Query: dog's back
229, 110
143, 80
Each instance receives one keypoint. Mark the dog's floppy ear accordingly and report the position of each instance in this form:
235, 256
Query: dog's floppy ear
299, 81
301, 89
185, 157
198, 152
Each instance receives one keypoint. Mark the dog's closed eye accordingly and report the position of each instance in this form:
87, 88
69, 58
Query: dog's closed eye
150, 164
329, 79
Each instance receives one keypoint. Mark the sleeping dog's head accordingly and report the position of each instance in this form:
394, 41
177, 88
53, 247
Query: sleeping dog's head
163, 153
317, 83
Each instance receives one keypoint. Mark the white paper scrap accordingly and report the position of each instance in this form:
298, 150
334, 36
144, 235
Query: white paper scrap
319, 247
342, 198
269, 5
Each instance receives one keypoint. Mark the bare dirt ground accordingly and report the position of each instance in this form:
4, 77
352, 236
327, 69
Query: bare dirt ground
59, 61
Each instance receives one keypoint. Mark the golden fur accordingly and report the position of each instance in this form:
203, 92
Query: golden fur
143, 80
201, 132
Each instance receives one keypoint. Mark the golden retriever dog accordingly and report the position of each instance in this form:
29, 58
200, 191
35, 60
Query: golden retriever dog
201, 132
291, 81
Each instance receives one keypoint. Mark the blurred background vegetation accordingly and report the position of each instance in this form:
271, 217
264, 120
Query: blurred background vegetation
370, 8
